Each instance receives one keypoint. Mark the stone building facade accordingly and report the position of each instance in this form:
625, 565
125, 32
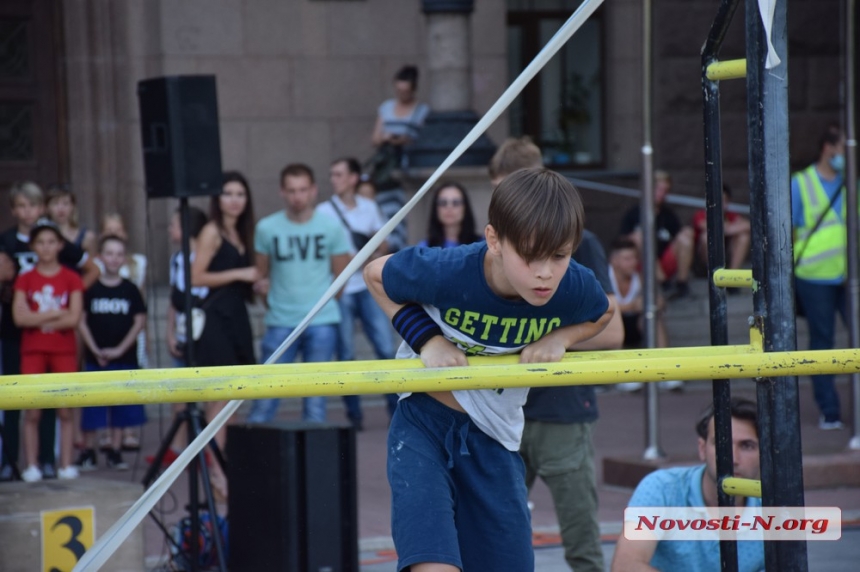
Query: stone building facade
300, 80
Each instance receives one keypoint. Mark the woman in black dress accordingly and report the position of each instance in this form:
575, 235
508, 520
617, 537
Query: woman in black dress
224, 263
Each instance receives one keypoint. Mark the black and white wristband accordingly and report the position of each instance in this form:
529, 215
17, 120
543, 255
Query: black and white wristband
415, 326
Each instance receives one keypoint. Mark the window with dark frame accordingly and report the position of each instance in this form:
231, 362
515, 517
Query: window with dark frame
562, 108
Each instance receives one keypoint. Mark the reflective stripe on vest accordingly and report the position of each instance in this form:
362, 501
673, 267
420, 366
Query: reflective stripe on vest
824, 250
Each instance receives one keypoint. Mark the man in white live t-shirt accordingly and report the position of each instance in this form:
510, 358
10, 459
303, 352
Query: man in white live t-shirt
361, 219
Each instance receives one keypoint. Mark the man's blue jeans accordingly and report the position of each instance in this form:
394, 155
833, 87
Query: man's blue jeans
822, 302
317, 344
374, 322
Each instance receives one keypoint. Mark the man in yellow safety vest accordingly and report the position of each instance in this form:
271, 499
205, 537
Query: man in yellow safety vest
818, 218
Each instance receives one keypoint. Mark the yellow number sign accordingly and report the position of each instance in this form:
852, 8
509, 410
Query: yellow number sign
66, 534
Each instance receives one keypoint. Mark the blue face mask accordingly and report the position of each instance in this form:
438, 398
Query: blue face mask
837, 163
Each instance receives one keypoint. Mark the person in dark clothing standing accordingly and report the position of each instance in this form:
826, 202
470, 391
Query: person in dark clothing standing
223, 264
556, 444
675, 241
28, 204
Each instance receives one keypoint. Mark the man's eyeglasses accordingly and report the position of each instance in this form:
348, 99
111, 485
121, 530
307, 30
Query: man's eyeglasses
449, 203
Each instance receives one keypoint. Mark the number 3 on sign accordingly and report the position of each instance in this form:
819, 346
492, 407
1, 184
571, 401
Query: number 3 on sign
66, 534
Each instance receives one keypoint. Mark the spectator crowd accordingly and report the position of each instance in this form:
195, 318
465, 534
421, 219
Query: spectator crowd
73, 299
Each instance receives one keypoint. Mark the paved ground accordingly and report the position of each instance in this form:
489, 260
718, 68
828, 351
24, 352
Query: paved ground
619, 433
839, 556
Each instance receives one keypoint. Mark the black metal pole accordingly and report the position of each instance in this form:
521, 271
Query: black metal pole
717, 259
853, 286
193, 467
725, 13
773, 269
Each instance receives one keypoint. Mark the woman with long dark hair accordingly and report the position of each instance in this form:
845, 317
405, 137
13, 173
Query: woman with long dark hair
224, 263
452, 221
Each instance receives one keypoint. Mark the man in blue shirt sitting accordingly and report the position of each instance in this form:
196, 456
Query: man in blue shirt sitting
697, 487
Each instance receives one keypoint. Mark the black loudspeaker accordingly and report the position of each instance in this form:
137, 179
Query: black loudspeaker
179, 130
293, 501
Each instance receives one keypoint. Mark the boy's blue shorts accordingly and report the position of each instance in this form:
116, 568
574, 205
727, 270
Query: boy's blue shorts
117, 416
458, 496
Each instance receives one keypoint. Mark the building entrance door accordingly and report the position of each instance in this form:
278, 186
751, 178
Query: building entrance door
32, 139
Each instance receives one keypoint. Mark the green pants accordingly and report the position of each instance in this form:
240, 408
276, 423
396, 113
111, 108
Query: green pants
562, 455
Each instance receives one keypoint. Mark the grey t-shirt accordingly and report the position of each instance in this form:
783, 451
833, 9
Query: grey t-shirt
409, 125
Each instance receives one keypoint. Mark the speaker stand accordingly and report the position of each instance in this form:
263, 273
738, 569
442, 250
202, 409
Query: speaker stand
193, 416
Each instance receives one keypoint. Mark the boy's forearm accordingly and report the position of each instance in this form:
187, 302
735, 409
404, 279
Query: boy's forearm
373, 279
578, 333
30, 319
68, 321
611, 338
24, 317
131, 336
87, 336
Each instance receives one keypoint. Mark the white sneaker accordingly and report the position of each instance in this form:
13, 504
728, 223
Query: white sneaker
829, 425
628, 387
32, 474
68, 473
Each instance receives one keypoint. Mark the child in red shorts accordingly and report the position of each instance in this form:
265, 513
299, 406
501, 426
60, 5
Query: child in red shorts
47, 307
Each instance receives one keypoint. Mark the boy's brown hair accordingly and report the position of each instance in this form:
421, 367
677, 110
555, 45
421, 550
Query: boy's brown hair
297, 170
537, 211
111, 238
741, 409
42, 225
622, 243
514, 154
27, 189
60, 190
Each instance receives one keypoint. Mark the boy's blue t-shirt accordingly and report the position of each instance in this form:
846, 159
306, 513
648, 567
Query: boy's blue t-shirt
450, 284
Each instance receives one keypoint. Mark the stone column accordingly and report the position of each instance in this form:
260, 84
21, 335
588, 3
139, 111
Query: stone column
449, 60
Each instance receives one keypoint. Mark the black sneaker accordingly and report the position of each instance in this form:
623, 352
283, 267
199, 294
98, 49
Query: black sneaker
114, 460
682, 290
7, 473
49, 471
87, 460
357, 424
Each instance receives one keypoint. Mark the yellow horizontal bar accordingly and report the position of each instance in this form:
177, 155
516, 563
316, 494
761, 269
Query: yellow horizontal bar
738, 487
724, 278
729, 69
393, 376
